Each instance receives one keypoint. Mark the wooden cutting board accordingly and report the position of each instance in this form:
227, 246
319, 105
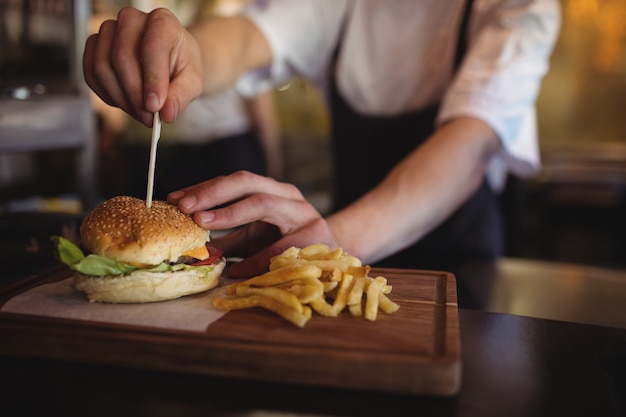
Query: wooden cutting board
413, 351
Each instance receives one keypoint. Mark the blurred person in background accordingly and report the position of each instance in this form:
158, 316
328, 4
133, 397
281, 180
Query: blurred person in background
432, 105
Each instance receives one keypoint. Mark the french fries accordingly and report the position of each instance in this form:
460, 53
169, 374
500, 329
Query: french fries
256, 300
313, 278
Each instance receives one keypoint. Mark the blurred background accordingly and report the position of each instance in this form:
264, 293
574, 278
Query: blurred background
62, 150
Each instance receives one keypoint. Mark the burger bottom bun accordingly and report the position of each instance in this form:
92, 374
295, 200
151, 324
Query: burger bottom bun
146, 287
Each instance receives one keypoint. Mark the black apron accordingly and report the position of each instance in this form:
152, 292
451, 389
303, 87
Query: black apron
366, 148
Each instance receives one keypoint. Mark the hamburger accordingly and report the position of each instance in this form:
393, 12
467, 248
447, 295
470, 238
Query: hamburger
137, 254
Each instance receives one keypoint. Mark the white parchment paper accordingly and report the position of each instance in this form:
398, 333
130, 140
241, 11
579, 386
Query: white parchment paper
61, 300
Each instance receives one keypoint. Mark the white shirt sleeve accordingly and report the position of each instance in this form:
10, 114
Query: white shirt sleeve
302, 37
500, 77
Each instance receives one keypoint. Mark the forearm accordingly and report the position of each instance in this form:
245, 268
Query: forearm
419, 194
229, 46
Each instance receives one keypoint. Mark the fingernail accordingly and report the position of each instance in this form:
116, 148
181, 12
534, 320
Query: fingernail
206, 216
188, 202
175, 108
152, 102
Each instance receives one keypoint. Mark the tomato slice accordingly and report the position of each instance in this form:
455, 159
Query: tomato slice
214, 254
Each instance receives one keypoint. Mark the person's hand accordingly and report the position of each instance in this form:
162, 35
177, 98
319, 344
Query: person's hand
268, 217
144, 63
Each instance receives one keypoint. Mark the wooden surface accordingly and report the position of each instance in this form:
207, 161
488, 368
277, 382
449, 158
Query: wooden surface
413, 351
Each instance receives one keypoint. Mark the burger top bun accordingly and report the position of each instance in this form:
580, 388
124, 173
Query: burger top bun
125, 229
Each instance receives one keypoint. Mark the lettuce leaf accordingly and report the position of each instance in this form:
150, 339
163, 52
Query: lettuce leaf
96, 265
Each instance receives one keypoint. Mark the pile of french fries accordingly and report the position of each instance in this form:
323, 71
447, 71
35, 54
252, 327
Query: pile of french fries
313, 278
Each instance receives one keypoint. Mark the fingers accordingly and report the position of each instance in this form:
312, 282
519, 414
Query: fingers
126, 55
243, 198
97, 69
111, 64
143, 63
156, 61
186, 84
225, 189
261, 205
175, 57
286, 214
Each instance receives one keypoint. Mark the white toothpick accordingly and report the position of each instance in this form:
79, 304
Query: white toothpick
156, 134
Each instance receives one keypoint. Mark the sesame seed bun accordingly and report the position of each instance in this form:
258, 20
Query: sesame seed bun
125, 229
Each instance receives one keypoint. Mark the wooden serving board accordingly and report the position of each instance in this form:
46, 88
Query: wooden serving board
413, 351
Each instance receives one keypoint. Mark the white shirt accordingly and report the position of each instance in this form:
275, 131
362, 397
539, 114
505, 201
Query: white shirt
397, 56
210, 118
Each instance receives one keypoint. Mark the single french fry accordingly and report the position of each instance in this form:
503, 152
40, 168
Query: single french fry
342, 293
234, 303
289, 253
386, 304
386, 289
356, 310
277, 294
307, 311
295, 317
323, 308
281, 263
316, 249
335, 254
326, 264
277, 276
288, 257
257, 300
371, 302
358, 271
356, 292
351, 260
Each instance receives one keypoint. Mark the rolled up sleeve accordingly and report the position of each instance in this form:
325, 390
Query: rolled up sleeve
301, 35
500, 78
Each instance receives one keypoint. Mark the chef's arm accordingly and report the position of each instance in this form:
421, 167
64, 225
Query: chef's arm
419, 193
